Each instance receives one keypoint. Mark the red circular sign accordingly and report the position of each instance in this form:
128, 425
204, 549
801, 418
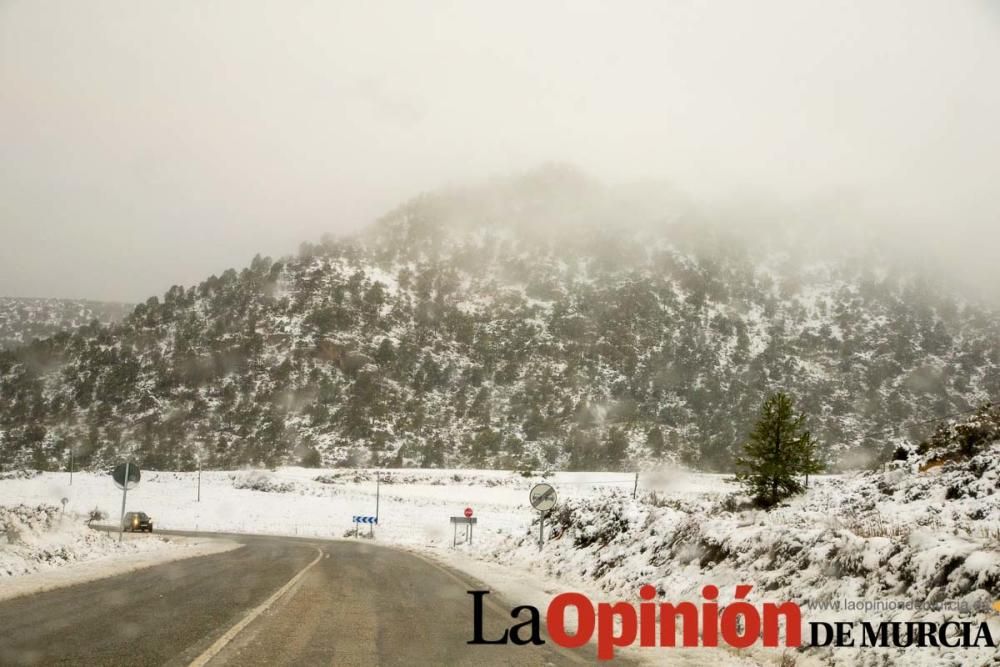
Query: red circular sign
468, 512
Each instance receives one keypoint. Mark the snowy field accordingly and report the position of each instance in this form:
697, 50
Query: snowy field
927, 538
414, 504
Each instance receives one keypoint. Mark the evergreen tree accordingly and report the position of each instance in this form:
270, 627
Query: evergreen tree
779, 450
309, 457
385, 354
583, 450
432, 453
615, 448
655, 442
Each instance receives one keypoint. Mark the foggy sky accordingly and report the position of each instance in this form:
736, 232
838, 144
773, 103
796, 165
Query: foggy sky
144, 144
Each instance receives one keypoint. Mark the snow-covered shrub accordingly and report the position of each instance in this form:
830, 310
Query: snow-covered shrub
593, 521
311, 458
96, 514
20, 522
41, 537
665, 500
734, 502
328, 479
964, 438
261, 480
19, 474
787, 660
354, 477
873, 524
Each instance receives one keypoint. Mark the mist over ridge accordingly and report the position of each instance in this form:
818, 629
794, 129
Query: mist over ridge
152, 146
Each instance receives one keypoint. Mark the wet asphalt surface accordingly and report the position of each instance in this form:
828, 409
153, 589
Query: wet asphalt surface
359, 604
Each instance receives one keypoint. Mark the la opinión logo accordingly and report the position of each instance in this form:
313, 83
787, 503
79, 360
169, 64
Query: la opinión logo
739, 624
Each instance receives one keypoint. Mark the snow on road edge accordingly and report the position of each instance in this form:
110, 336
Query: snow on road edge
110, 566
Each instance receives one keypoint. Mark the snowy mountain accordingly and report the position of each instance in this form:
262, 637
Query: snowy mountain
23, 320
541, 322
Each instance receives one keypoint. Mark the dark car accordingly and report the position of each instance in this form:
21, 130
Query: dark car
137, 521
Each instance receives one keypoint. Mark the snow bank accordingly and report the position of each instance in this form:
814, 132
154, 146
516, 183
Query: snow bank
902, 545
41, 548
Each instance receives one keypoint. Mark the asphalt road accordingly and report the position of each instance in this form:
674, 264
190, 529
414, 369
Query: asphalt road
357, 604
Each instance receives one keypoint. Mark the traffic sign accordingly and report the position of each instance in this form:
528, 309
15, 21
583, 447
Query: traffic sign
468, 512
370, 520
133, 475
542, 497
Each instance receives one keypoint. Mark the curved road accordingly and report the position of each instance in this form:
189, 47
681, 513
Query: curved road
354, 604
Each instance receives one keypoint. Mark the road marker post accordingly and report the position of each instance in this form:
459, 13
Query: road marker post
126, 476
121, 518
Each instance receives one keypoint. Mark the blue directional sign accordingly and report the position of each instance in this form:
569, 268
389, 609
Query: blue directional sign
365, 519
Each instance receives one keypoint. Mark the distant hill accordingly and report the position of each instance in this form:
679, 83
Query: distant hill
538, 322
22, 320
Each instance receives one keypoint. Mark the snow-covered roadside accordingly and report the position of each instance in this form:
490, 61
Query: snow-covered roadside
41, 548
414, 511
905, 535
917, 543
112, 565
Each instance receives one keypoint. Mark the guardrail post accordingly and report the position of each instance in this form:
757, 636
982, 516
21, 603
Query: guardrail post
121, 519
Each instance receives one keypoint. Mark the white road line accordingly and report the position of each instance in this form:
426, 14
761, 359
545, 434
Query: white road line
222, 641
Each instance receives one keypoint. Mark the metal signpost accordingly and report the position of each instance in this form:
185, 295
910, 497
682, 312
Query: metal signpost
468, 521
370, 520
126, 477
543, 498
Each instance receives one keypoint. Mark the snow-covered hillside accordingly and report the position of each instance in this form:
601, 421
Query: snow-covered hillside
520, 327
22, 320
